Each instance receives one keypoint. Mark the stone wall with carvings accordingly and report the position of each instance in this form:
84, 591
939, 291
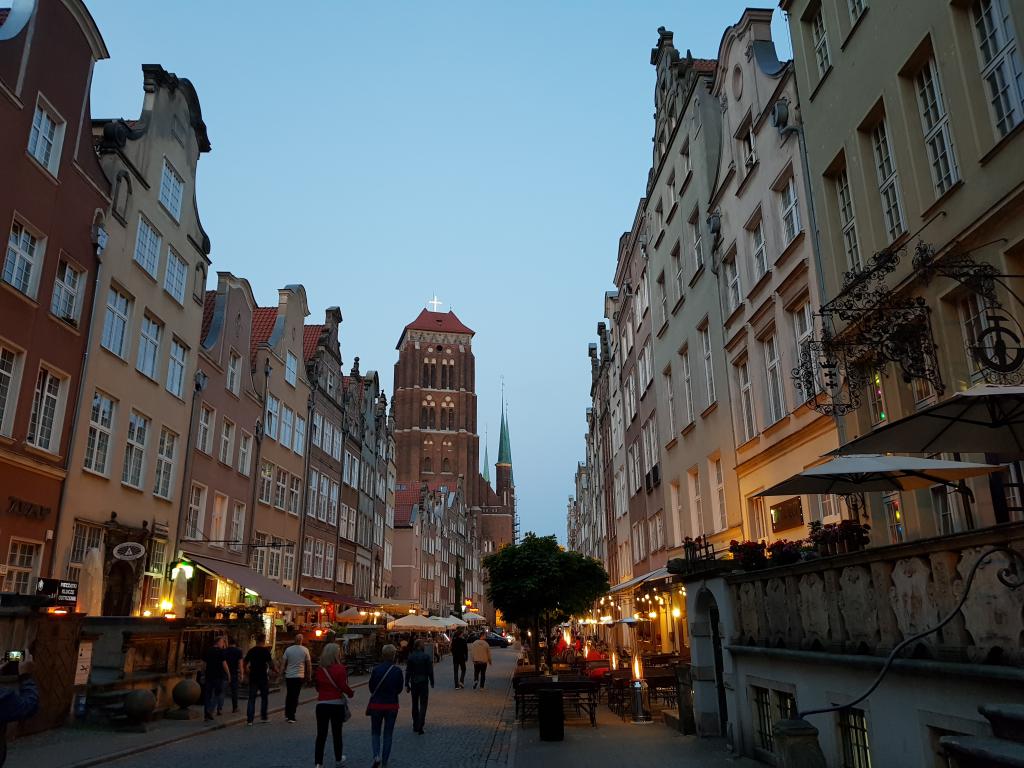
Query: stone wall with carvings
868, 602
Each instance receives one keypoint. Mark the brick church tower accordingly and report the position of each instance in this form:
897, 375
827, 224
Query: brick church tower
435, 404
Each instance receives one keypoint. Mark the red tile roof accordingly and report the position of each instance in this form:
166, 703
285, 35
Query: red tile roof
404, 502
442, 322
263, 319
310, 338
209, 303
705, 65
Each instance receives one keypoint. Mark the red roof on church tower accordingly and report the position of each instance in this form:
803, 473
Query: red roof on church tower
442, 322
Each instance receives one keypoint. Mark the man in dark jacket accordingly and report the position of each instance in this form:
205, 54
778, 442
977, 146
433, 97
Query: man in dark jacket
419, 671
18, 704
460, 653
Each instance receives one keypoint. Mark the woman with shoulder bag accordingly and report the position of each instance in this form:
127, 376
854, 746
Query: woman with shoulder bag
385, 685
332, 706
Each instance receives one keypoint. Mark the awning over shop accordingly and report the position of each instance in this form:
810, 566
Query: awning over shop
327, 595
637, 580
357, 603
247, 578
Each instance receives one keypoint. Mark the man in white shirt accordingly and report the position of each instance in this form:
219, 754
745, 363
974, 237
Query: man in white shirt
298, 668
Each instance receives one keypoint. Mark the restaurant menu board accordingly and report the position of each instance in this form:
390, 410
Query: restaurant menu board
64, 592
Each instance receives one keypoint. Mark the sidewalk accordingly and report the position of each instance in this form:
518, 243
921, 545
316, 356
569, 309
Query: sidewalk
82, 747
618, 742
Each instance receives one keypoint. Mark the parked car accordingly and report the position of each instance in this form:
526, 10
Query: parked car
496, 641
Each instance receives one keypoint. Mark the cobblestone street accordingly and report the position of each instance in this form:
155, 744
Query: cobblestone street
466, 727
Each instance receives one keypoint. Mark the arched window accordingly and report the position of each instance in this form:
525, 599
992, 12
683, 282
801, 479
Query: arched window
446, 466
431, 415
433, 374
427, 465
423, 417
426, 374
444, 375
451, 417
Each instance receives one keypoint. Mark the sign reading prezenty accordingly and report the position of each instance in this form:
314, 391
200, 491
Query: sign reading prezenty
64, 592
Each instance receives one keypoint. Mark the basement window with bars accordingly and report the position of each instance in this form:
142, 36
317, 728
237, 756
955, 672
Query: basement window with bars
853, 733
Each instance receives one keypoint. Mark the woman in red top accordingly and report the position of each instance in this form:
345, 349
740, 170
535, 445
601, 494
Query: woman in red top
332, 688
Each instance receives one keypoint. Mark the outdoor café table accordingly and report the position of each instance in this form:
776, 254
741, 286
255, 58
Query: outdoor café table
580, 692
662, 684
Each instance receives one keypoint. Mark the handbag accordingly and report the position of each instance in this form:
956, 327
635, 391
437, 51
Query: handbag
374, 691
346, 713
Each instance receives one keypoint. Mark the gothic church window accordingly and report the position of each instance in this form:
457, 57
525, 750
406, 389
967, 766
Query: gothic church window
427, 465
446, 466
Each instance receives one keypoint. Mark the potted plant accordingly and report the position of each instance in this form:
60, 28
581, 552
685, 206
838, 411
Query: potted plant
749, 555
855, 536
784, 552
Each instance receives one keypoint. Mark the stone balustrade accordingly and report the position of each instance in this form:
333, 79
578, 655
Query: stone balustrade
867, 602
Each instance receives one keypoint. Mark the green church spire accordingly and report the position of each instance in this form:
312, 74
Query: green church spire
487, 463
504, 445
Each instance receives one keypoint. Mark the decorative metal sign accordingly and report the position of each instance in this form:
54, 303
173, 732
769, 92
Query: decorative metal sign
128, 550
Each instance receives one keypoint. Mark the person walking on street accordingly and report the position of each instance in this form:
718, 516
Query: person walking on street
258, 667
480, 652
385, 686
419, 671
233, 656
215, 676
18, 704
298, 669
332, 705
460, 653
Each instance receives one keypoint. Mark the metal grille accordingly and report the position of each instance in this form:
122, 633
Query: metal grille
853, 728
763, 718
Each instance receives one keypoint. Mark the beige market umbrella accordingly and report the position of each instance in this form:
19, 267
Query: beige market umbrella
874, 472
985, 419
455, 621
415, 623
472, 617
350, 616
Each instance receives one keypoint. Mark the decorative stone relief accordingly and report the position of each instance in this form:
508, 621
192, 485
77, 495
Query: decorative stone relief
749, 598
912, 598
812, 606
857, 601
778, 608
993, 613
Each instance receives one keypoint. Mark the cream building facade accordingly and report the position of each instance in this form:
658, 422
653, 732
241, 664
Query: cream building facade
768, 269
914, 116
125, 470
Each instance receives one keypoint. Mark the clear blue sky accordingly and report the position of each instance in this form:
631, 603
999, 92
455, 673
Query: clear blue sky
381, 152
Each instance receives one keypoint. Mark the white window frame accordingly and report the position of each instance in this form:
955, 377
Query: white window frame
291, 368
709, 364
177, 362
147, 246
46, 136
748, 424
175, 275
999, 59
147, 355
11, 361
697, 240
848, 220
204, 429
266, 482
166, 453
236, 532
116, 322
758, 250
26, 250
272, 417
732, 281
67, 286
234, 378
172, 190
46, 420
789, 210
226, 453
287, 426
299, 441
857, 8
245, 453
684, 356
819, 38
938, 136
776, 397
15, 569
102, 417
133, 473
889, 194
717, 474
294, 494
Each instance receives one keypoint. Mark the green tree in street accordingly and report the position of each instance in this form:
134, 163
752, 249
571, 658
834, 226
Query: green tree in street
537, 584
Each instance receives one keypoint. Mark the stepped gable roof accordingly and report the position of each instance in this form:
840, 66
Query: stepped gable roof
263, 320
209, 304
440, 322
310, 339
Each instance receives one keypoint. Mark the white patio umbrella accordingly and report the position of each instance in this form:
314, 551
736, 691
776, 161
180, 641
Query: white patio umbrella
473, 617
455, 621
873, 472
441, 622
984, 419
350, 616
415, 623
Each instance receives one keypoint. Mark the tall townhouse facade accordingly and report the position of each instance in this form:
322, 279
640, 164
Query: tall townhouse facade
696, 423
367, 550
768, 269
321, 356
380, 491
126, 468
222, 446
913, 114
277, 363
619, 550
53, 205
643, 471
388, 589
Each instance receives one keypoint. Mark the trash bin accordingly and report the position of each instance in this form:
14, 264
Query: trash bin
550, 715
